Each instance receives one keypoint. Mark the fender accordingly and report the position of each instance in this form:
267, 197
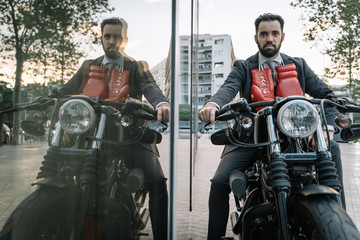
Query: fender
51, 182
312, 190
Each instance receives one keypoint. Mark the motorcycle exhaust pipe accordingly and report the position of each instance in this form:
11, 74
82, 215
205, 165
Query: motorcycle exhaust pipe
238, 183
234, 217
144, 216
135, 180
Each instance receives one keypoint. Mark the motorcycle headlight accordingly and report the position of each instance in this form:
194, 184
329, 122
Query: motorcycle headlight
298, 119
76, 116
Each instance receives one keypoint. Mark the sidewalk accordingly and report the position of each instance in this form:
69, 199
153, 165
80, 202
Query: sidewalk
22, 163
193, 225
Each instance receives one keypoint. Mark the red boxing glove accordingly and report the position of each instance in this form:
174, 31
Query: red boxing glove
95, 86
262, 88
288, 84
119, 89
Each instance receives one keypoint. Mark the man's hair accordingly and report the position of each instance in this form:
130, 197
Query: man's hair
115, 21
269, 17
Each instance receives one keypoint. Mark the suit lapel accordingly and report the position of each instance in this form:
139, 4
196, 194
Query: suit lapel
254, 61
286, 59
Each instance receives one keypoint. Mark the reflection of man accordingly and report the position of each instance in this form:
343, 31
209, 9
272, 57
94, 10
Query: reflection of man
269, 36
115, 76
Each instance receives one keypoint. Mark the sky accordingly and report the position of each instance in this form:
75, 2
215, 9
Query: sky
149, 27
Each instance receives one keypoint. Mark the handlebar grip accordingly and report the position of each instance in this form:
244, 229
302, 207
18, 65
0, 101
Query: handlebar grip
221, 111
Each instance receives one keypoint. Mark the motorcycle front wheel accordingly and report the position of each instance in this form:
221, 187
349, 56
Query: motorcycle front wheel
321, 218
47, 213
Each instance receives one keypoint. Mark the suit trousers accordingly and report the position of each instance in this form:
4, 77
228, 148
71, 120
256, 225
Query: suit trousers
241, 159
155, 180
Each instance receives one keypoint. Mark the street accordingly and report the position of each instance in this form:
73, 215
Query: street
20, 164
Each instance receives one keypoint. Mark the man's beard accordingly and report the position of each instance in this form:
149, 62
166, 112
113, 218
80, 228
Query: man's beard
112, 54
269, 53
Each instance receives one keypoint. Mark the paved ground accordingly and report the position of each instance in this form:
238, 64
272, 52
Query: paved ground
190, 225
193, 225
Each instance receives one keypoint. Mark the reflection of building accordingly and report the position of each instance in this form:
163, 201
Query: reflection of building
159, 74
215, 59
340, 90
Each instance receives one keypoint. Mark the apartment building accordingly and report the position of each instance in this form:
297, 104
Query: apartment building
215, 59
212, 64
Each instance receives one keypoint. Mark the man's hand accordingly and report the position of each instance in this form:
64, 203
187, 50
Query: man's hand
207, 113
163, 112
312, 141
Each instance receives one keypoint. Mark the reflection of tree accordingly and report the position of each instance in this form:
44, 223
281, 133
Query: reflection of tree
43, 32
6, 102
336, 24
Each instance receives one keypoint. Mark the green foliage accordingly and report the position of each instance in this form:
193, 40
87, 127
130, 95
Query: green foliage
6, 93
184, 112
44, 32
334, 25
6, 102
48, 33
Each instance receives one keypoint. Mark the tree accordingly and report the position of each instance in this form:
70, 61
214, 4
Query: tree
336, 25
6, 95
5, 102
33, 28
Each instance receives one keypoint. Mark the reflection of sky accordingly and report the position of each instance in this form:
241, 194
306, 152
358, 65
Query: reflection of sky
150, 27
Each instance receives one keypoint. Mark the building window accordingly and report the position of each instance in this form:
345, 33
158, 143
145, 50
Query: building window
219, 53
219, 64
219, 75
184, 42
219, 41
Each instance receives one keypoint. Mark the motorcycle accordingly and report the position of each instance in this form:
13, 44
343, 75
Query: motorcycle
291, 191
87, 188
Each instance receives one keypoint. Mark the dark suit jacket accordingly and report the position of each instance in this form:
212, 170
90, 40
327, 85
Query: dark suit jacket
141, 83
239, 80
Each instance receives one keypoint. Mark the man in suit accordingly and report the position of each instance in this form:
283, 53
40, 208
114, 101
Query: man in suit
115, 76
269, 37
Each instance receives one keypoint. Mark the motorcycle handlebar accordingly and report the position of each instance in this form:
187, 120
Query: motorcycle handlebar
241, 106
141, 109
40, 103
342, 104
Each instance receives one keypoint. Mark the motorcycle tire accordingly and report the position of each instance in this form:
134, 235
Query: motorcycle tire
322, 218
47, 213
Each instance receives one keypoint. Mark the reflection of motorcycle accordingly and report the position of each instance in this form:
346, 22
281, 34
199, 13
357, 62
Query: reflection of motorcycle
87, 189
291, 191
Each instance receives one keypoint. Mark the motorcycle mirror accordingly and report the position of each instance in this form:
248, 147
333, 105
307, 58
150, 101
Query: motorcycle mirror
351, 133
33, 128
344, 121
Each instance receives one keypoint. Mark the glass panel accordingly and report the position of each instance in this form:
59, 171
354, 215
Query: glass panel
98, 181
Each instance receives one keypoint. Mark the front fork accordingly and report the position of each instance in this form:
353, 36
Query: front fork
89, 177
327, 172
278, 176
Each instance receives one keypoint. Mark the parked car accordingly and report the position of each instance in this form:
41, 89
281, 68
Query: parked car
5, 136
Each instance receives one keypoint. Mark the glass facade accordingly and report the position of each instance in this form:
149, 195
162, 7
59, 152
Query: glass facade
114, 171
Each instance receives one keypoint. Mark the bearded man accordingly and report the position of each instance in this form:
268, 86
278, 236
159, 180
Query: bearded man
244, 79
115, 76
